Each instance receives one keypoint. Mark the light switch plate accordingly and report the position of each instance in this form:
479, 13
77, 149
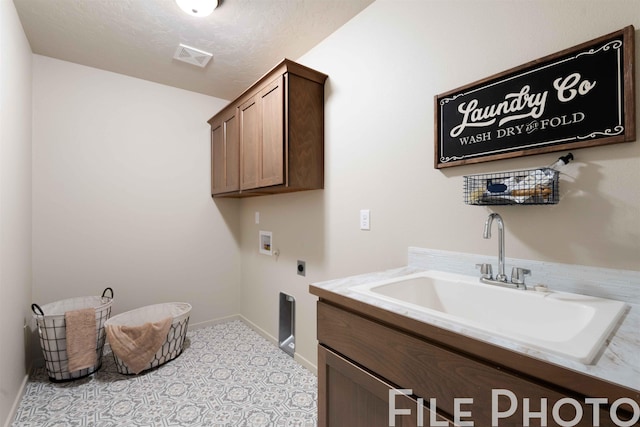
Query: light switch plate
365, 219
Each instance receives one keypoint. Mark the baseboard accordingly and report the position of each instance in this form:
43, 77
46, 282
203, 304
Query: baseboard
304, 362
207, 323
16, 402
301, 360
259, 330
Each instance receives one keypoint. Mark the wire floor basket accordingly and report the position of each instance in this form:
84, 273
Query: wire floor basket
50, 319
173, 344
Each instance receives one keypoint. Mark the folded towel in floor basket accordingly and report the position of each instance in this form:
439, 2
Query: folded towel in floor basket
81, 338
136, 345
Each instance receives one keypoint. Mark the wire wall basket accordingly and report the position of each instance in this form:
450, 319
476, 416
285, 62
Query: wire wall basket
524, 187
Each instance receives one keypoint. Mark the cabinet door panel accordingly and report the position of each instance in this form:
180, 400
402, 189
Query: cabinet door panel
249, 143
350, 396
272, 143
225, 154
217, 158
232, 152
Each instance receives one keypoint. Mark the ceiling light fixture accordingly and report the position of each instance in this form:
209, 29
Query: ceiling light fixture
200, 8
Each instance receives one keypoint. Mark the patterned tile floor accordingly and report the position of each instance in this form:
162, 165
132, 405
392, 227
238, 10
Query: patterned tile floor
227, 375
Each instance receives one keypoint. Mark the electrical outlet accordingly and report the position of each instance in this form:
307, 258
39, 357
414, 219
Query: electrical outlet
301, 268
365, 219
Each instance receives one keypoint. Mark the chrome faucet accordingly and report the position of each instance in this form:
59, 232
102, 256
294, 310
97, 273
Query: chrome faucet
517, 274
487, 235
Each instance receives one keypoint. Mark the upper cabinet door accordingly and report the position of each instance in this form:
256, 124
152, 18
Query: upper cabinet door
250, 132
232, 151
217, 157
272, 143
262, 137
225, 153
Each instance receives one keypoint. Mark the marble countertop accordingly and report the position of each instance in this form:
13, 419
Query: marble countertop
618, 362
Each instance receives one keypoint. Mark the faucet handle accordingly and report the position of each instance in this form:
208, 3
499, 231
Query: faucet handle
486, 271
517, 275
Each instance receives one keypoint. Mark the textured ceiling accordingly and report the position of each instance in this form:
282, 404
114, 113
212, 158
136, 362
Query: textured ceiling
139, 37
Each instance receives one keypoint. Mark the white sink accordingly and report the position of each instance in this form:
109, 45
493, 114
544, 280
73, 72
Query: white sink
570, 325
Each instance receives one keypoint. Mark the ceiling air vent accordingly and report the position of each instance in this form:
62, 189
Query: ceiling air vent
192, 56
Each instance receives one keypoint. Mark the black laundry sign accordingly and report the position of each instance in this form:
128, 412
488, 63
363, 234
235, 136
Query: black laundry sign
579, 97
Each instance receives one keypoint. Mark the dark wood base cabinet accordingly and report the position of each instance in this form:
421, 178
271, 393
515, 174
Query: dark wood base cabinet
365, 360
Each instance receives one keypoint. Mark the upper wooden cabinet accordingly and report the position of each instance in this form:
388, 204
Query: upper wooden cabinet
271, 138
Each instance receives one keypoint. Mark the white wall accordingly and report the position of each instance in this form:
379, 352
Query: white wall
384, 68
15, 205
121, 194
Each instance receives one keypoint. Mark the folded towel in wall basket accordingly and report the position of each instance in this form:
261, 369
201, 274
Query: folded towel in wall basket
137, 345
